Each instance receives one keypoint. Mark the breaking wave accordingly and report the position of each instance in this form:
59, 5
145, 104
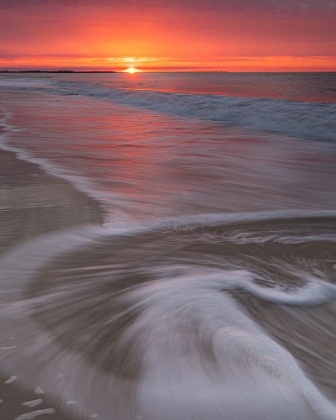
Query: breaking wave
304, 119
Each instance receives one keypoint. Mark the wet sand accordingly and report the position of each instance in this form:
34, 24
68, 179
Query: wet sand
33, 203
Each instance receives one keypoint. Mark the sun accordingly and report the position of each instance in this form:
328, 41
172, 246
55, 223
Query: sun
131, 70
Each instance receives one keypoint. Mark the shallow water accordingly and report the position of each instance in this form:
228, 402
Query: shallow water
210, 291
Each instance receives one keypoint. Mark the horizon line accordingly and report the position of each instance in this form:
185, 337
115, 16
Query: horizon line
92, 70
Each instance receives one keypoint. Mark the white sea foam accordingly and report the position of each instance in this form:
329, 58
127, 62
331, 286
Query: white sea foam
33, 414
32, 404
201, 352
11, 380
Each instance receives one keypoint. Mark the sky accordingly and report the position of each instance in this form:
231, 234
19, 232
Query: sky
174, 35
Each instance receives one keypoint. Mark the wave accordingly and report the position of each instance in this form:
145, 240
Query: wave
303, 119
159, 321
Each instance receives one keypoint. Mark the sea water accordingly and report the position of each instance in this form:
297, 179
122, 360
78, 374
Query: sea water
209, 293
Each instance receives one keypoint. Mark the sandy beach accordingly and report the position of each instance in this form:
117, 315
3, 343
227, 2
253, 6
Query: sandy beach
32, 203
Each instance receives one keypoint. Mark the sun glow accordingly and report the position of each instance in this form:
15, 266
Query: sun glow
131, 70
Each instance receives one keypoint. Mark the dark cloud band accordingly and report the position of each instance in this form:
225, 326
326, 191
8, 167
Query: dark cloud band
224, 5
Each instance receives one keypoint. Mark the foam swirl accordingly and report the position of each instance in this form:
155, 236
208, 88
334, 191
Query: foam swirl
168, 320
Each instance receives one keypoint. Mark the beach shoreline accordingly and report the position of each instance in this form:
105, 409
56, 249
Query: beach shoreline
34, 203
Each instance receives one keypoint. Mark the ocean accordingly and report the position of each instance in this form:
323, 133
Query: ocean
209, 292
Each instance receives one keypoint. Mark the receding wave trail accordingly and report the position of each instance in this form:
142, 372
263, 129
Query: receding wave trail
303, 119
167, 321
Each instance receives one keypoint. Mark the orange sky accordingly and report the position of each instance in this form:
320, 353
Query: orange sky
185, 36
